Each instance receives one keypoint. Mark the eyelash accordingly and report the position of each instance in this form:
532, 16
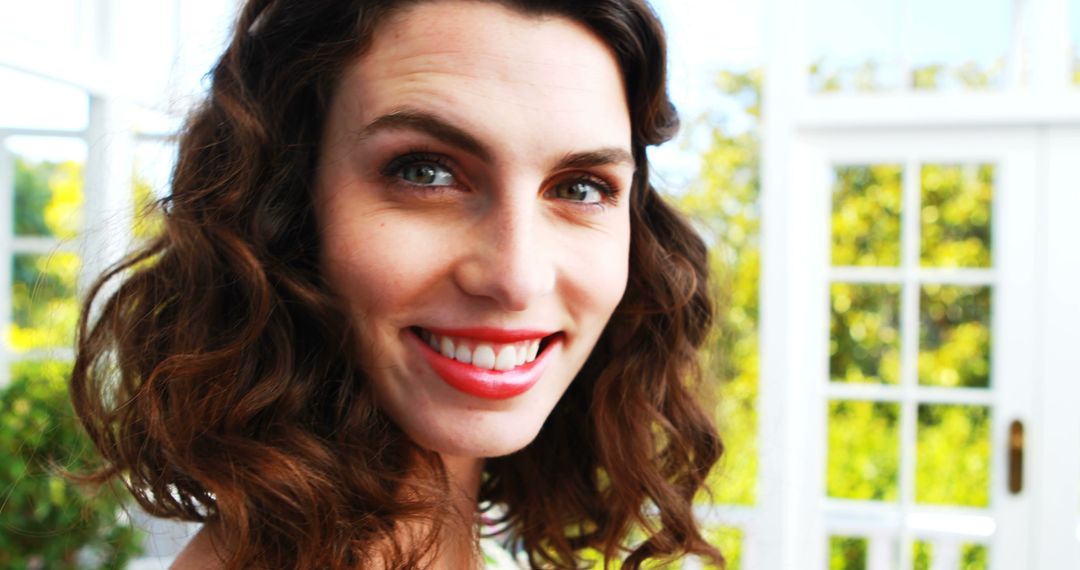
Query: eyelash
421, 155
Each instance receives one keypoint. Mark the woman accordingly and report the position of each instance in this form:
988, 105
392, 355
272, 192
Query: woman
412, 271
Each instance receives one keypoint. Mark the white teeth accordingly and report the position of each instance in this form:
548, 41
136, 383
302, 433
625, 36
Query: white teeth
507, 358
484, 357
500, 357
447, 347
463, 354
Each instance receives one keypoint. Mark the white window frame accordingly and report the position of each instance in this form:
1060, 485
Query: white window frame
1047, 107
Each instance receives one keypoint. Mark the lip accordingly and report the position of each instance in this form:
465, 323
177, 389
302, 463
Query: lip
487, 384
491, 334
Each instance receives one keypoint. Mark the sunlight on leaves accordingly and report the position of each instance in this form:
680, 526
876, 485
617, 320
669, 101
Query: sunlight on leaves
866, 215
953, 455
864, 451
864, 339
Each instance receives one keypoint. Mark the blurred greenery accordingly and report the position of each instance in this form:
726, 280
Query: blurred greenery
47, 520
953, 455
847, 553
864, 340
48, 198
43, 301
864, 451
866, 215
874, 76
922, 555
955, 217
954, 336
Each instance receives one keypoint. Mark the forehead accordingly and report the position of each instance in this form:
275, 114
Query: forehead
494, 70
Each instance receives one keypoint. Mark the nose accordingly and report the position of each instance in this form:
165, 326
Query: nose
507, 258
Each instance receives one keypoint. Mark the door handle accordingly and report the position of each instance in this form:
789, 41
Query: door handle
1016, 457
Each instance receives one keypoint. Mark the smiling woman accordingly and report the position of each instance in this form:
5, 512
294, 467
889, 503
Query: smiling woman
412, 271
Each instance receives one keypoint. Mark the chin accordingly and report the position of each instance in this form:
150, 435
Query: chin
483, 435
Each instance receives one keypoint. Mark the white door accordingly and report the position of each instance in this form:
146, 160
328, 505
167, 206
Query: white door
918, 273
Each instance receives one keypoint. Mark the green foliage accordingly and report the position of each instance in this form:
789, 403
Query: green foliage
48, 521
864, 451
870, 76
847, 553
147, 219
922, 555
954, 336
956, 206
953, 455
43, 301
866, 215
864, 340
974, 557
48, 198
729, 541
723, 202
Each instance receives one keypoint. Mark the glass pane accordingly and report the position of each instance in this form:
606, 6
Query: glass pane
150, 183
866, 215
854, 45
954, 336
48, 185
864, 450
729, 540
959, 44
1074, 39
44, 308
30, 102
953, 455
864, 338
922, 555
847, 553
974, 557
53, 23
956, 215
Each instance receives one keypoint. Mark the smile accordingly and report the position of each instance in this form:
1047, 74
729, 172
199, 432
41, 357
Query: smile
487, 363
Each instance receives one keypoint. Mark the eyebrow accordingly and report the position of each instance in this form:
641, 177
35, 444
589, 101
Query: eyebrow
453, 135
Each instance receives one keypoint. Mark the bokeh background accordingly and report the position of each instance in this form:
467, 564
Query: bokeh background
888, 187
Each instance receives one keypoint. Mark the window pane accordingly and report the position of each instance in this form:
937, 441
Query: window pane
866, 215
922, 555
953, 455
150, 183
974, 557
959, 44
729, 540
854, 45
956, 215
30, 102
1074, 39
847, 553
53, 23
954, 336
864, 340
48, 185
44, 308
864, 450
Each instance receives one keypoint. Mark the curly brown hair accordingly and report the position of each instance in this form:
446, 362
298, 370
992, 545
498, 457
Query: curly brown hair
213, 370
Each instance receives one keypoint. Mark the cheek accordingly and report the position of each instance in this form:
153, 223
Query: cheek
599, 273
372, 264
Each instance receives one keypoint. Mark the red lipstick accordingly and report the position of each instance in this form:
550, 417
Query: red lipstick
483, 383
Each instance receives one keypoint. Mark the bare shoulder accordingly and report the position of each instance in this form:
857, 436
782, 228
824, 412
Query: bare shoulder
199, 554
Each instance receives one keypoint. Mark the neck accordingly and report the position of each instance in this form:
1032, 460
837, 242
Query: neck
458, 546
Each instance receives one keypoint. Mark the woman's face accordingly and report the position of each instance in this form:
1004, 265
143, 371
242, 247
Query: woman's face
473, 197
